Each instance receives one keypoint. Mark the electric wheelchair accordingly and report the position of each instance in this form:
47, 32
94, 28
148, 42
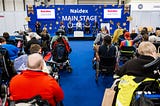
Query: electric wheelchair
105, 66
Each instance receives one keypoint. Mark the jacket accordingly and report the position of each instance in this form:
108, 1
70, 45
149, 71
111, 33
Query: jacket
135, 67
31, 83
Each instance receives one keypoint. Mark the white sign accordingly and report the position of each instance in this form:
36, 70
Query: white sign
112, 13
45, 13
78, 34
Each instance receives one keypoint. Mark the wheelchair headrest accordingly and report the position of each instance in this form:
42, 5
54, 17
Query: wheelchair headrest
60, 32
154, 63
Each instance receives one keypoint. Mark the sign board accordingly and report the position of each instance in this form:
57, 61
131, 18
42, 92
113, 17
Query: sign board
45, 13
112, 13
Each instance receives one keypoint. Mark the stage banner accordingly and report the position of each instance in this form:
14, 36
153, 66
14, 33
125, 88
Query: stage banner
51, 16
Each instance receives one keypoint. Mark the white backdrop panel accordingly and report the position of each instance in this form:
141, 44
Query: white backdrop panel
2, 25
12, 21
145, 18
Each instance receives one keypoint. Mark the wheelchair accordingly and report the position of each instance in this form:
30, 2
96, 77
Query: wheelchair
6, 73
106, 66
146, 91
126, 53
60, 53
34, 101
60, 58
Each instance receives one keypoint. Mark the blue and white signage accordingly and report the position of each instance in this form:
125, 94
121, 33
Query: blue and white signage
112, 13
45, 13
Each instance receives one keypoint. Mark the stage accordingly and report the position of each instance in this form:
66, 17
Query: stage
71, 37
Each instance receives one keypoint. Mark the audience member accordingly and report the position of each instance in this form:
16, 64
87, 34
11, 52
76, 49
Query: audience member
145, 37
145, 29
12, 50
79, 26
158, 34
7, 37
26, 85
147, 52
100, 36
106, 49
30, 42
128, 41
60, 38
59, 33
121, 37
152, 38
20, 63
133, 34
117, 33
133, 72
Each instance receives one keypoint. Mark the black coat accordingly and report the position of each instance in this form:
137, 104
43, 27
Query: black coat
28, 45
135, 67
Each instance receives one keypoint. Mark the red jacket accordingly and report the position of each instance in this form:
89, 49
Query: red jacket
31, 83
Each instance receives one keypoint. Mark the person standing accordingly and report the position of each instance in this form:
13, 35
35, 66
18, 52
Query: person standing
38, 27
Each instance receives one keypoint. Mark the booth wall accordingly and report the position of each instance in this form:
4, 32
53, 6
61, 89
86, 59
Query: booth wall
92, 12
145, 15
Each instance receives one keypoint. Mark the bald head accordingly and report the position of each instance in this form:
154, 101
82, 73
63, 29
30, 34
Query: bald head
35, 61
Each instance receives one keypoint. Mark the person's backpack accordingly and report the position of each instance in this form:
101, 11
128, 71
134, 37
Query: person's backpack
6, 66
60, 51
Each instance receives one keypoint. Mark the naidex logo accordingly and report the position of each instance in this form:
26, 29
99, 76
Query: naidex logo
112, 13
45, 13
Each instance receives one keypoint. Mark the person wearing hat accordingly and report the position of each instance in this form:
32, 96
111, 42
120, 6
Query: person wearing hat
59, 34
33, 81
128, 41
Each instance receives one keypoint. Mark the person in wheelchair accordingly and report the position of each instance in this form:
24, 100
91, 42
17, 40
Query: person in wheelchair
106, 56
8, 39
12, 50
20, 63
60, 50
99, 40
133, 72
26, 85
127, 47
60, 47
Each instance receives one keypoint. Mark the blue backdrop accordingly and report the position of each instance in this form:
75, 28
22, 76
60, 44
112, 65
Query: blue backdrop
74, 12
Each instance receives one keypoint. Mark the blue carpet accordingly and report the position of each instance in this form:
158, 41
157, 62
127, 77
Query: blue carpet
79, 87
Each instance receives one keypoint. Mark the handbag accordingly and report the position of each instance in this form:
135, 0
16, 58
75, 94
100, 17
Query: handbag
108, 97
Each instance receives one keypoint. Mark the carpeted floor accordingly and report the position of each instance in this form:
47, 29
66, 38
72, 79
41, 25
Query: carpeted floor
79, 87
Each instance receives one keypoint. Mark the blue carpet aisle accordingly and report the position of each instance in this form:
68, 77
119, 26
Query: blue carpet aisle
79, 86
